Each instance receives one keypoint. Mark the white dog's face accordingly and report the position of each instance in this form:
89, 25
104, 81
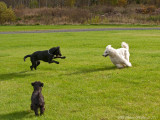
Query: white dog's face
106, 52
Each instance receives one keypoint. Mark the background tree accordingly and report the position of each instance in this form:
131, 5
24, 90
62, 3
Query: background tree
122, 3
70, 3
6, 14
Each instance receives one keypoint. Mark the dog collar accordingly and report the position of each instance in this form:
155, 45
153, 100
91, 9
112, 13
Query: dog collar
49, 53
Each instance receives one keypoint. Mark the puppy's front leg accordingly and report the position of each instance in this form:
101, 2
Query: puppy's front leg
36, 111
42, 110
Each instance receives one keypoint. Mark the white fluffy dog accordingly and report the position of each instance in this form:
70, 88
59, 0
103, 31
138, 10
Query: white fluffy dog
119, 57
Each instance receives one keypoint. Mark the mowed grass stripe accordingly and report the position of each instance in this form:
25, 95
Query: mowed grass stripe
64, 27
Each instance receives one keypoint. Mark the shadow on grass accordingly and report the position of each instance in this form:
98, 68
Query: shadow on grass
16, 115
90, 70
9, 76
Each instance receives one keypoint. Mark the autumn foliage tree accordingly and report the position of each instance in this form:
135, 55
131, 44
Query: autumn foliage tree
70, 3
6, 14
122, 3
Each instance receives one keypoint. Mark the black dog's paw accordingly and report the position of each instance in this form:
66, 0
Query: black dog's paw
57, 62
36, 115
63, 57
31, 68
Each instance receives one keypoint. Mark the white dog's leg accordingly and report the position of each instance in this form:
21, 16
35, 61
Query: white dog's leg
126, 55
119, 66
128, 64
124, 61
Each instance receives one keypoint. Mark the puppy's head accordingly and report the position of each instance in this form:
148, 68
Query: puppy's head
37, 85
106, 52
56, 51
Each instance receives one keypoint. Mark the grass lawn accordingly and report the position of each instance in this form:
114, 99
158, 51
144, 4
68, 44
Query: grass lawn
55, 27
85, 85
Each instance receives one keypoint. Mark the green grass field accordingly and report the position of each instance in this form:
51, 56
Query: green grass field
85, 85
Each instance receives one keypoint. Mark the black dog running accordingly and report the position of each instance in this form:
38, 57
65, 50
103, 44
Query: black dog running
46, 56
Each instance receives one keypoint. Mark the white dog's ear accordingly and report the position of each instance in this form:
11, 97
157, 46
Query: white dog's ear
108, 46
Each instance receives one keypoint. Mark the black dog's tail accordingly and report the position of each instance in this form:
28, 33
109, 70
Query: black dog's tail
26, 57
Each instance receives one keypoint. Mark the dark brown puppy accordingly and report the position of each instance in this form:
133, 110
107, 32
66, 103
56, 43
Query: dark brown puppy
37, 99
46, 56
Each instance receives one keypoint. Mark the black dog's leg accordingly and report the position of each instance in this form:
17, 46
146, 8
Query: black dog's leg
33, 63
31, 67
36, 111
53, 61
32, 108
35, 66
37, 63
42, 110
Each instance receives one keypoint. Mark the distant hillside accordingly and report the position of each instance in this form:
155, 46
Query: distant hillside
35, 12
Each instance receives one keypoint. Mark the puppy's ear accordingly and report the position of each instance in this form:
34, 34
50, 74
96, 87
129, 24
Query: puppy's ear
58, 47
32, 84
41, 84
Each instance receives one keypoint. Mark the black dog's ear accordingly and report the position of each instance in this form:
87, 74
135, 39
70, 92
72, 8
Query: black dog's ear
54, 49
41, 84
32, 84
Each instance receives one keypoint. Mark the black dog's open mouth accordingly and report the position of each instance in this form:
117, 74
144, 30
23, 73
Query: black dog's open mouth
59, 56
63, 57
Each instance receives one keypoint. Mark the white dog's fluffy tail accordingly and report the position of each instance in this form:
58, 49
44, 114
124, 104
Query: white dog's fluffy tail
125, 45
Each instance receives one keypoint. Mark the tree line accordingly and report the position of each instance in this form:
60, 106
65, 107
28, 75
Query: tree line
73, 3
